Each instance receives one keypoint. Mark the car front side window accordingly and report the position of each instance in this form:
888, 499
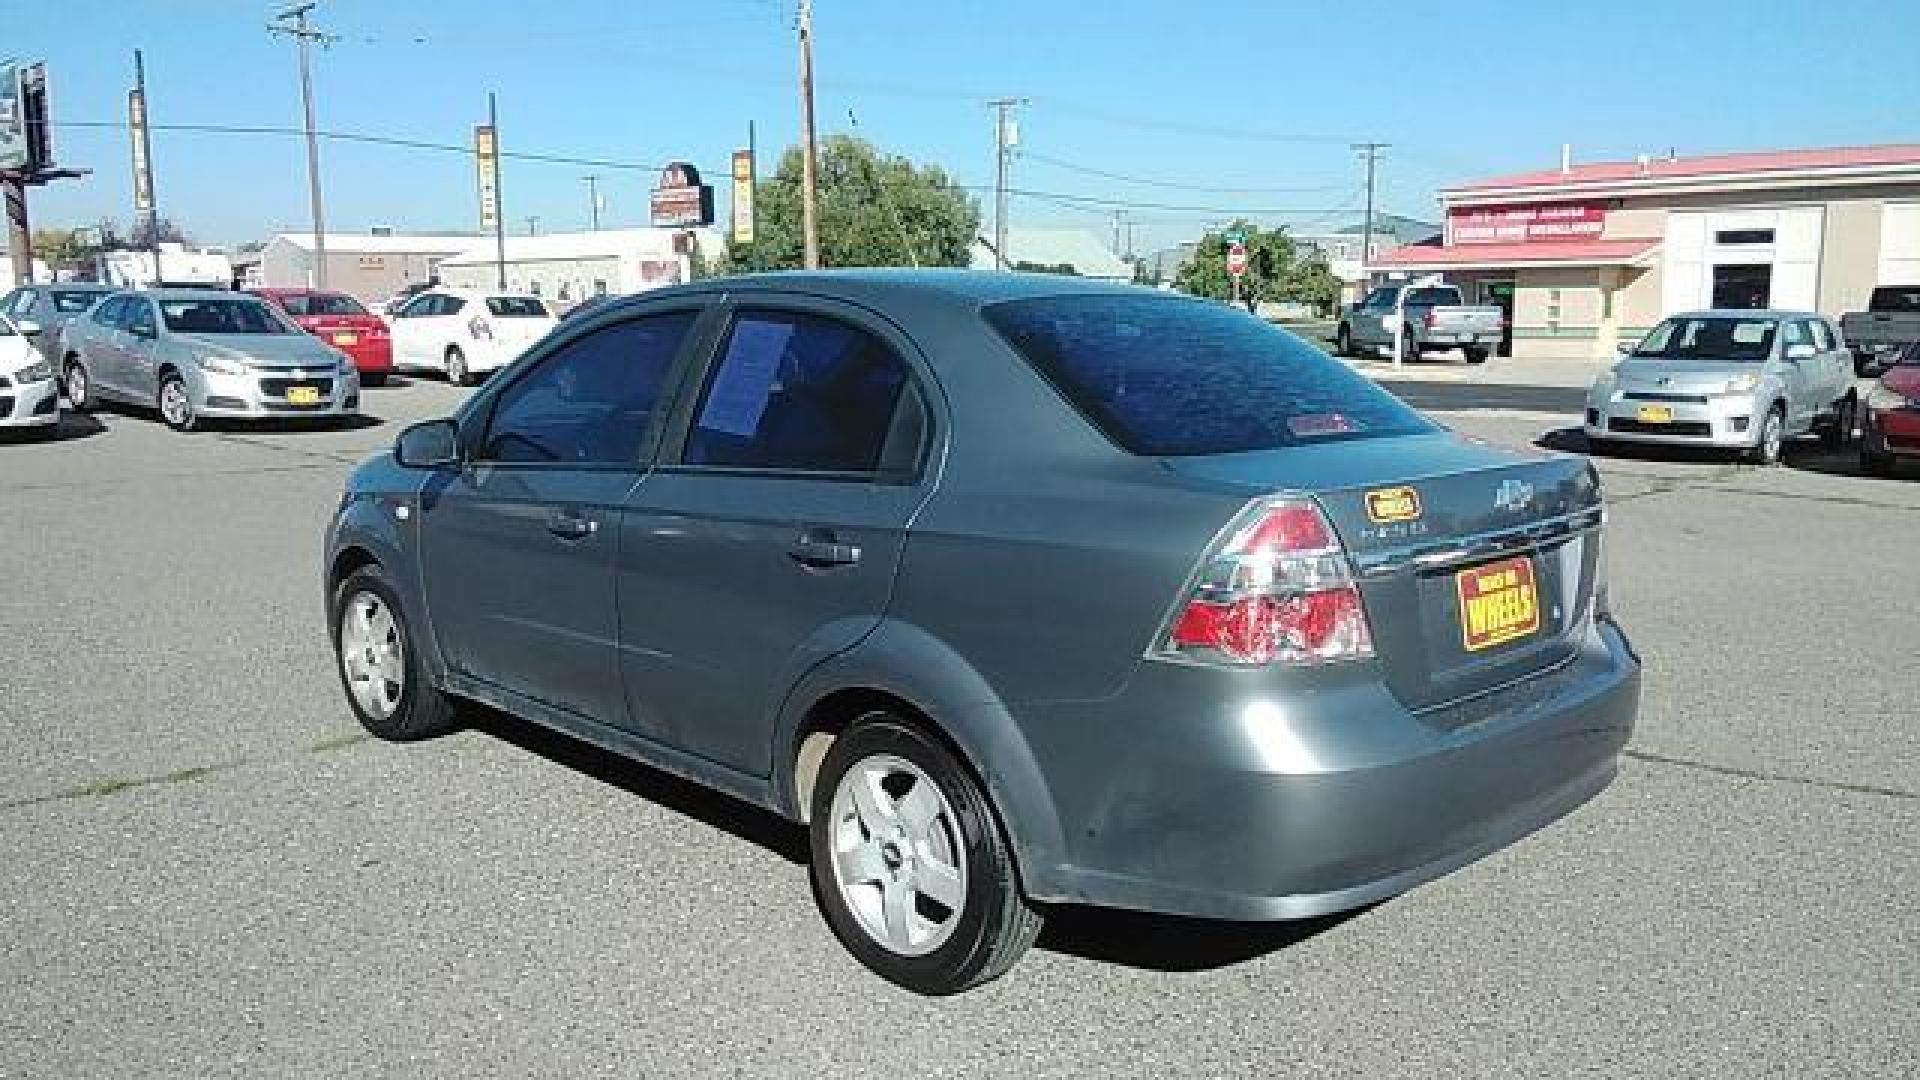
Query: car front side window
591, 401
798, 391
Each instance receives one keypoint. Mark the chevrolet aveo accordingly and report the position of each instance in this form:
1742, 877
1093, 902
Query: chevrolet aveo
1017, 591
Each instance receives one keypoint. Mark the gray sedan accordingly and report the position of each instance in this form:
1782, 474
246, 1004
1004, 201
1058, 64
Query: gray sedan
198, 354
1743, 380
1018, 590
51, 307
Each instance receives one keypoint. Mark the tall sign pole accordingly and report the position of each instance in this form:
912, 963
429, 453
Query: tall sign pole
809, 164
26, 154
144, 205
1005, 137
486, 162
499, 218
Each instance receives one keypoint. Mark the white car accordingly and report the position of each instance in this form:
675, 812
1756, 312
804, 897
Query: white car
29, 397
466, 333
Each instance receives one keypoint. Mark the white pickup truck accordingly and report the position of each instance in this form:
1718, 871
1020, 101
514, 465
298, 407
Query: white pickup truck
1877, 335
1433, 316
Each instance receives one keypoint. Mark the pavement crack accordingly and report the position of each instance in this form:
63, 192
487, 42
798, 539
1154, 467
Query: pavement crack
263, 444
113, 785
1772, 777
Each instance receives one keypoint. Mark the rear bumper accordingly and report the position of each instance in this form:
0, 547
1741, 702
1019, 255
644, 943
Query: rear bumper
1893, 431
1235, 805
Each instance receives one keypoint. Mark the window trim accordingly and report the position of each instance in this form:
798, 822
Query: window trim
920, 382
476, 420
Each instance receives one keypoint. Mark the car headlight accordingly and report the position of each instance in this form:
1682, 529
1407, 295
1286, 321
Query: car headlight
1882, 397
38, 371
1741, 384
219, 365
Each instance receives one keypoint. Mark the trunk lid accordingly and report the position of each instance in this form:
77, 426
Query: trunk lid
1483, 320
1447, 535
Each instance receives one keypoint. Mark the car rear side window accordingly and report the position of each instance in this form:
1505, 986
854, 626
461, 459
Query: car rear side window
589, 402
1162, 375
516, 307
797, 391
74, 301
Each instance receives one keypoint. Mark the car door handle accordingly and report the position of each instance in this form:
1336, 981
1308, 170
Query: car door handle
571, 525
820, 549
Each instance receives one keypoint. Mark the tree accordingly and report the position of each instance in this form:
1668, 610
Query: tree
872, 206
1271, 259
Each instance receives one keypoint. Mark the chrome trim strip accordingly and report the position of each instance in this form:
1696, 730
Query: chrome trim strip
1382, 564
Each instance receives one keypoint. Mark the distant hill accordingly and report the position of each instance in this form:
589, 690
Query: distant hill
1404, 230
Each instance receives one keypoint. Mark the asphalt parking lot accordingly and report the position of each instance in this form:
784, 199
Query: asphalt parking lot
206, 870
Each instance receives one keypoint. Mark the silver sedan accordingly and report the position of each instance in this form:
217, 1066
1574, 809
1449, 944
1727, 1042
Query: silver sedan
1743, 380
197, 354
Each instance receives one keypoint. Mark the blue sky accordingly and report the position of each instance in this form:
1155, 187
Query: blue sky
1258, 95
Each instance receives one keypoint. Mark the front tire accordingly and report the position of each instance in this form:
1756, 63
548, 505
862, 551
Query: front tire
1343, 342
1475, 356
910, 867
1773, 436
373, 378
379, 663
176, 404
77, 386
1845, 416
457, 372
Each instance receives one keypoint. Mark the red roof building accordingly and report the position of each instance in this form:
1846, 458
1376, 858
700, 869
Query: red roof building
1588, 255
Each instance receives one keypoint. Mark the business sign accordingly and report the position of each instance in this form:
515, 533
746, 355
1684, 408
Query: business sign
681, 201
142, 168
23, 117
742, 197
486, 156
1545, 223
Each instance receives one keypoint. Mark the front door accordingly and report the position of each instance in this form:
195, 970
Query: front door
519, 545
409, 327
138, 366
767, 540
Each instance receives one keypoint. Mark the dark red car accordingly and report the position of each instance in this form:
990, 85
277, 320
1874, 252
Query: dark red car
1891, 422
342, 322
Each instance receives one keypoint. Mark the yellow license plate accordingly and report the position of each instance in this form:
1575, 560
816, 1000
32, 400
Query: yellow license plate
1654, 414
303, 395
1498, 603
346, 339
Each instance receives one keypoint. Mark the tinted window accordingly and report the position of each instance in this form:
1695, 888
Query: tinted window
1747, 340
419, 307
305, 305
516, 307
797, 391
1817, 333
221, 315
447, 305
74, 301
138, 317
1895, 298
1164, 375
589, 402
1796, 333
108, 314
18, 303
1433, 297
1381, 299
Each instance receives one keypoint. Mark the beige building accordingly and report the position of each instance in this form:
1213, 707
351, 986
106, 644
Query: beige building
369, 266
1585, 256
566, 268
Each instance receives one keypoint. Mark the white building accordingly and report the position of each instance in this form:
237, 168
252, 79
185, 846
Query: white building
40, 271
566, 268
133, 268
368, 266
1051, 249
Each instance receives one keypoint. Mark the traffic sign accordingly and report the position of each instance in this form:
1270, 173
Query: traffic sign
1237, 259
1236, 236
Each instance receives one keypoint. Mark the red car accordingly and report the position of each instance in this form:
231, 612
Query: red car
340, 321
1891, 428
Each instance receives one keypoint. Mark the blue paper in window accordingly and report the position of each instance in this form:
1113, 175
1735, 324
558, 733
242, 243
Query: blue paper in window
739, 394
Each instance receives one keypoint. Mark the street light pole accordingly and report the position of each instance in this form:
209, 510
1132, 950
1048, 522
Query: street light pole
593, 200
306, 35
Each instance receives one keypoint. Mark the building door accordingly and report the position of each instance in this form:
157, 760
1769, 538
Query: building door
1742, 286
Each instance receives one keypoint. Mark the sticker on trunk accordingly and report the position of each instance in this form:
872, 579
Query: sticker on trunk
1388, 505
1499, 602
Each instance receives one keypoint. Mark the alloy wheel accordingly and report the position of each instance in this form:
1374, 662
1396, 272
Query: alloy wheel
897, 855
175, 409
371, 654
76, 387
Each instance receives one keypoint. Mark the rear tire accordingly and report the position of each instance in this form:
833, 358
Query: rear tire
876, 880
1840, 431
1409, 349
457, 372
378, 659
1475, 356
78, 386
1343, 341
373, 378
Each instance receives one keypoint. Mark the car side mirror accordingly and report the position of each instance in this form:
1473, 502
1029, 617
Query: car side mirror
1797, 353
28, 328
433, 444
1625, 347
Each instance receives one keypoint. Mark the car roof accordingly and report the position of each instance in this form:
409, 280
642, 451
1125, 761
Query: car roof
190, 294
1774, 314
970, 288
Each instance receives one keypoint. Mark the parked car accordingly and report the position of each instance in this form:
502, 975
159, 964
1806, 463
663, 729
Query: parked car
1434, 315
1016, 589
1890, 428
29, 396
199, 354
51, 307
1739, 379
464, 334
1891, 321
342, 322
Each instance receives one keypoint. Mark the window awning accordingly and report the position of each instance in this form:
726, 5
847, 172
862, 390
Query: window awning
1507, 256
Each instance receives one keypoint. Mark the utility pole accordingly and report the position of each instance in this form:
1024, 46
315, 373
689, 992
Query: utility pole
150, 212
1005, 137
593, 200
1119, 230
299, 30
809, 165
533, 224
499, 200
1371, 152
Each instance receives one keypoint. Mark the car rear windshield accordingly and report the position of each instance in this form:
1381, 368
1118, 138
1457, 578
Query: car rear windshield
517, 307
1164, 375
307, 305
75, 301
221, 316
1741, 340
1432, 297
1895, 298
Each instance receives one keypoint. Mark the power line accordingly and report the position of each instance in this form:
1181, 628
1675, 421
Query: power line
1176, 185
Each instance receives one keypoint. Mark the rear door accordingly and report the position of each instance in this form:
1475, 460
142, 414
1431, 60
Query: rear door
767, 538
519, 545
518, 321
412, 326
105, 341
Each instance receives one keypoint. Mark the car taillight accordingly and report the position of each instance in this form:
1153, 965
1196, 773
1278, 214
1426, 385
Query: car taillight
1277, 589
480, 328
1429, 320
